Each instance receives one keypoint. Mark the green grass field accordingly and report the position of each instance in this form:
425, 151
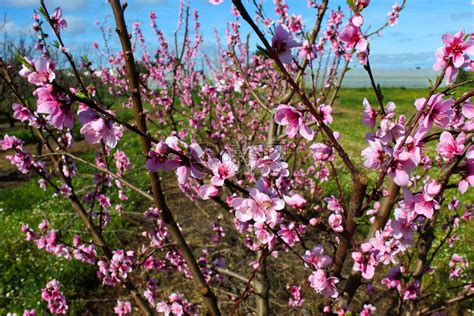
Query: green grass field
25, 269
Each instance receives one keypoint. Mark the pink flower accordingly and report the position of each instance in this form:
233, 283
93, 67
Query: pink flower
58, 109
296, 297
260, 207
308, 51
368, 310
216, 2
296, 201
456, 47
40, 72
374, 154
439, 111
10, 142
361, 4
322, 284
393, 15
208, 191
222, 170
295, 23
29, 312
335, 221
370, 115
317, 258
55, 299
449, 147
57, 20
22, 113
365, 263
353, 38
467, 171
425, 203
282, 43
404, 164
293, 120
411, 292
321, 152
288, 234
158, 159
97, 128
123, 308
325, 111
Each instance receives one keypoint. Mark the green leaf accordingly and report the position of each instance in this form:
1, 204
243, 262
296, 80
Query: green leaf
351, 4
81, 95
262, 51
43, 13
23, 61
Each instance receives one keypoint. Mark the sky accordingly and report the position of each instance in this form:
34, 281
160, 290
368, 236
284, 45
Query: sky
407, 45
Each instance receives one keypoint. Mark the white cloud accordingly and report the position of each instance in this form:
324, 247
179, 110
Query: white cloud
11, 28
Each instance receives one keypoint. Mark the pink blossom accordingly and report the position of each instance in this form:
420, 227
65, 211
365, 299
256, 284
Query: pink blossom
439, 110
457, 48
324, 285
335, 222
357, 20
370, 115
308, 51
222, 169
325, 111
374, 154
296, 201
58, 109
353, 37
54, 297
368, 310
10, 142
293, 120
467, 171
411, 292
361, 4
29, 312
365, 263
260, 207
40, 72
289, 234
282, 43
392, 279
334, 204
22, 113
208, 191
449, 147
393, 15
317, 258
295, 23
57, 20
216, 2
321, 152
97, 128
123, 308
296, 297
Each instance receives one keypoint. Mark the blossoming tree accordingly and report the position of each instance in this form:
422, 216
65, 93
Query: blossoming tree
252, 134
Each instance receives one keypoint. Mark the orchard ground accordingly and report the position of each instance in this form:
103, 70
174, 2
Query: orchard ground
24, 268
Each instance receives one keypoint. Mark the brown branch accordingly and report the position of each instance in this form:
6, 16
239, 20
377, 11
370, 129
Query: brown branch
157, 192
445, 304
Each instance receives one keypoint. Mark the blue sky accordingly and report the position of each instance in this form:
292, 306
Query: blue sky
409, 44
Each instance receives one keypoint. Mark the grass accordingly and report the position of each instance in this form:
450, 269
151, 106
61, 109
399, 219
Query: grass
26, 269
